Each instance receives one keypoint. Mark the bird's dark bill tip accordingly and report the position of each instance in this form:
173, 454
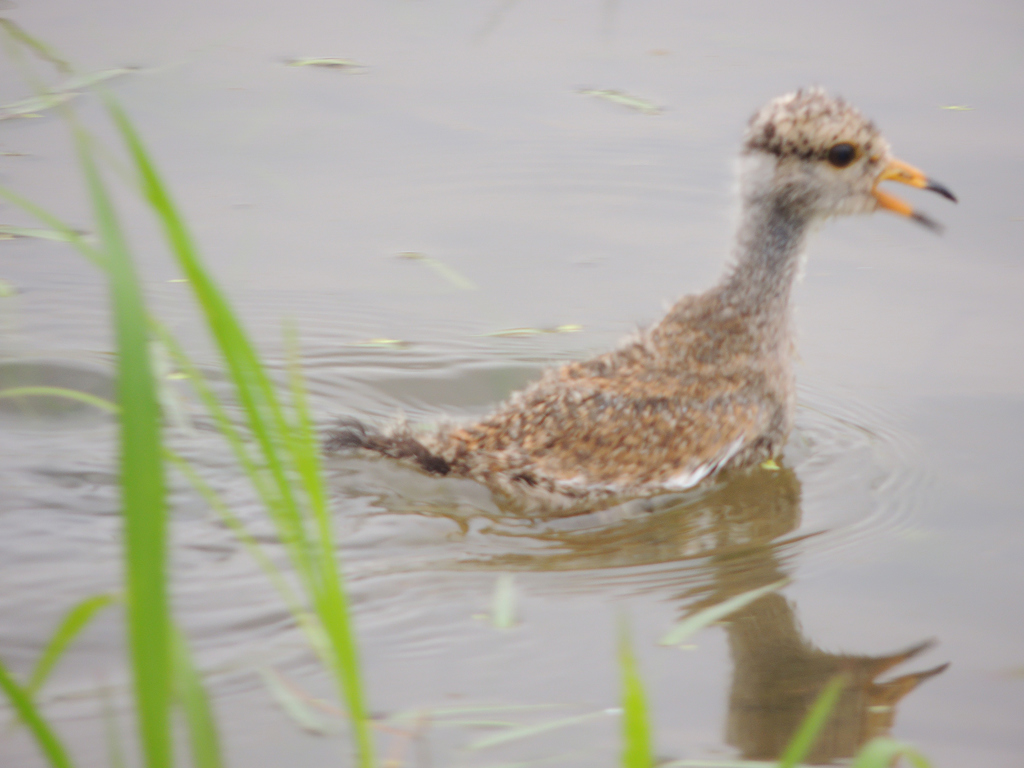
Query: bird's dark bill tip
927, 222
934, 186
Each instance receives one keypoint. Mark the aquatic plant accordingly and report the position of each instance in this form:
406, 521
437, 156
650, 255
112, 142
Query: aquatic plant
275, 445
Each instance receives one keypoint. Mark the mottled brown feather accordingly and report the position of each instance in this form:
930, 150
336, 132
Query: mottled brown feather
685, 398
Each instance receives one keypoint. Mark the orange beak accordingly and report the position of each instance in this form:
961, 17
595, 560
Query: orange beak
899, 171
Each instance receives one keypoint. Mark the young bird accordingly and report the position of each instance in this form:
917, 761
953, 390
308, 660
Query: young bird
711, 385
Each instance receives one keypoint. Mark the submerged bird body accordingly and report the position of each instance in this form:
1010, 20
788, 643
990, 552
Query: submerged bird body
711, 385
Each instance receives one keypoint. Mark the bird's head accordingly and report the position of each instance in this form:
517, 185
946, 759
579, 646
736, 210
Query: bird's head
816, 156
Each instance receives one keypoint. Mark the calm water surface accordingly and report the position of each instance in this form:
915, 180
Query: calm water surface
464, 138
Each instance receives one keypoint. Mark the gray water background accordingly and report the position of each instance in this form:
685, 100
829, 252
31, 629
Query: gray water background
464, 137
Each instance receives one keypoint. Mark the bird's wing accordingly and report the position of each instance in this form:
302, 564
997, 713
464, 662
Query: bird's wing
625, 433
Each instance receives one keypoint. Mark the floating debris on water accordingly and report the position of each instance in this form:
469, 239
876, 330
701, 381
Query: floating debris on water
89, 79
526, 731
328, 63
31, 107
503, 602
438, 714
453, 276
383, 343
60, 94
957, 108
624, 99
511, 333
299, 705
770, 465
10, 233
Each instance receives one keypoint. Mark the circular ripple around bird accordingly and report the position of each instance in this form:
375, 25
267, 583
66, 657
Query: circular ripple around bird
422, 554
862, 482
857, 478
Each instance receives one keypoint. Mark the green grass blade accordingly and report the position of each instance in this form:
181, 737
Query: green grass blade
39, 234
693, 624
67, 232
70, 394
637, 751
253, 387
306, 620
332, 607
195, 705
23, 704
527, 731
112, 734
718, 764
32, 106
331, 600
86, 80
224, 424
287, 451
262, 484
435, 713
142, 480
803, 740
38, 46
885, 752
295, 704
75, 620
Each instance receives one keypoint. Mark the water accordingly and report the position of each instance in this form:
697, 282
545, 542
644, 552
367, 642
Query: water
896, 516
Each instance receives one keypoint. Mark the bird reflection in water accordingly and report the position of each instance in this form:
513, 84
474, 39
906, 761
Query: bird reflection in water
704, 548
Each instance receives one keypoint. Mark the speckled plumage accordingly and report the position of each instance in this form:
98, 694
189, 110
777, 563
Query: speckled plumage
806, 124
708, 387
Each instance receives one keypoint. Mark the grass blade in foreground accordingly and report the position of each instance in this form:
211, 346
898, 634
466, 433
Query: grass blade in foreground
143, 499
800, 745
885, 753
74, 621
296, 704
26, 709
693, 624
195, 704
70, 394
330, 598
289, 452
513, 732
636, 726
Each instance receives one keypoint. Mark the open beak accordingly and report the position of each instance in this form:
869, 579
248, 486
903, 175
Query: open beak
899, 171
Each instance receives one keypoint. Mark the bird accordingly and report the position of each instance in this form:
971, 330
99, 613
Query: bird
711, 385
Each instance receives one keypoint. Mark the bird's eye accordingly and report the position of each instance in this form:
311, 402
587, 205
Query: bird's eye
841, 155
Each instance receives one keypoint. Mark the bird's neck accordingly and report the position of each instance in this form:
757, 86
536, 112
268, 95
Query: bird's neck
766, 258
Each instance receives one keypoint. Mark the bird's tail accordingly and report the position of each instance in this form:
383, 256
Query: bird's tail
351, 433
